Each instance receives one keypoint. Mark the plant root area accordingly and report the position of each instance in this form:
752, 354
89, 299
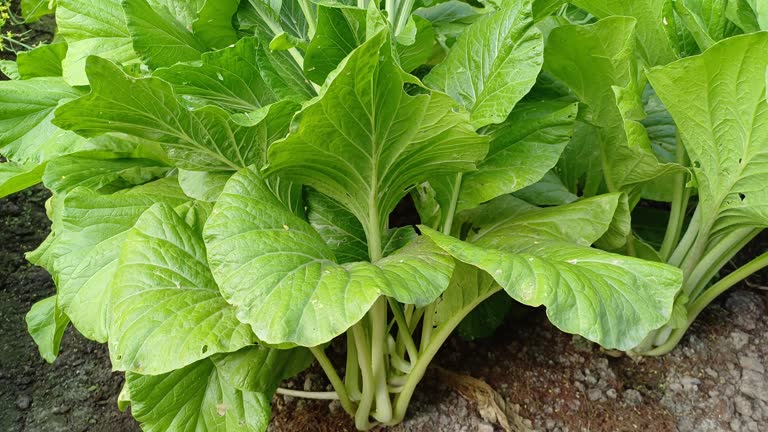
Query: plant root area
541, 379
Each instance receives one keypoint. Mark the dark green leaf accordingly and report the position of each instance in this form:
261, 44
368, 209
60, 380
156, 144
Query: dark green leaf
366, 148
203, 140
522, 150
161, 31
43, 61
493, 64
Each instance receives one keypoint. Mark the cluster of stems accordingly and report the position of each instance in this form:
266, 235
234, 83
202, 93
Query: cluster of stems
388, 351
701, 252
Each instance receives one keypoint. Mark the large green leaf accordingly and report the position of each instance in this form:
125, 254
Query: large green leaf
364, 142
706, 20
412, 54
544, 8
202, 185
340, 229
260, 369
33, 10
521, 152
610, 299
10, 69
213, 23
278, 272
26, 109
46, 323
161, 30
591, 60
493, 64
44, 255
508, 220
598, 63
166, 32
93, 29
450, 18
416, 274
163, 288
660, 126
580, 167
345, 235
662, 132
42, 61
196, 398
761, 10
340, 29
87, 248
101, 171
548, 191
654, 21
284, 279
203, 140
15, 178
749, 15
238, 78
275, 17
718, 102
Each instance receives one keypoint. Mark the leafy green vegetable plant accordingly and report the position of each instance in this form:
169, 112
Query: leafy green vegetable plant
675, 112
224, 173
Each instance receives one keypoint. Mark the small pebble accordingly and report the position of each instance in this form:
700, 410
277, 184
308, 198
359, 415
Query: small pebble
484, 427
739, 339
334, 406
743, 406
633, 397
735, 425
690, 383
594, 394
23, 402
61, 409
751, 363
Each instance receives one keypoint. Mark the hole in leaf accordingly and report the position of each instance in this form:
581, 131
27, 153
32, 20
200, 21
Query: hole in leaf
205, 349
742, 196
696, 164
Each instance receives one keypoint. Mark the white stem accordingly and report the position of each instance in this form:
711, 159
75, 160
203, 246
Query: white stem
308, 395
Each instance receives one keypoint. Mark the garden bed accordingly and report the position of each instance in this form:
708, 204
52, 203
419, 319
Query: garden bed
714, 381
